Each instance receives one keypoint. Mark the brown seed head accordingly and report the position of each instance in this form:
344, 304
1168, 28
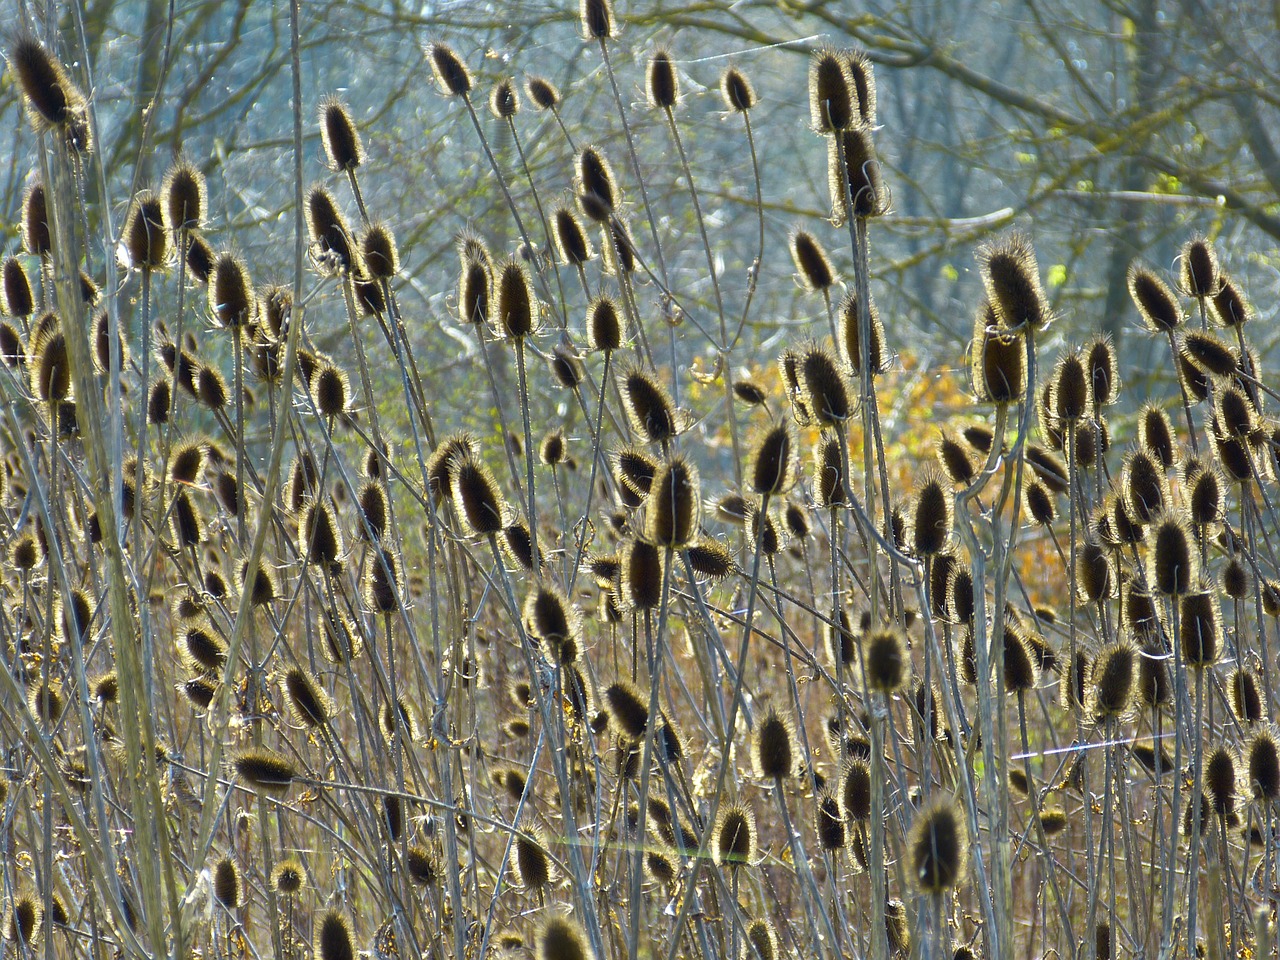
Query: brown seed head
1156, 303
739, 95
1230, 308
544, 94
51, 98
773, 747
596, 18
674, 504
860, 176
735, 837
832, 105
450, 72
1201, 627
1012, 281
37, 238
939, 847
812, 265
661, 82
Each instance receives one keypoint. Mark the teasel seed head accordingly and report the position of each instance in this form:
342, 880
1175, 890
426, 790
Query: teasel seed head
452, 75
379, 252
228, 888
649, 406
200, 258
570, 238
627, 709
51, 97
51, 368
596, 18
710, 559
1021, 672
200, 691
855, 791
832, 106
1012, 281
372, 503
1220, 780
1075, 681
264, 771
16, 298
761, 943
331, 238
861, 174
1201, 629
750, 393
826, 394
308, 702
886, 661
939, 847
398, 720
1053, 820
604, 324
1172, 562
478, 498
998, 360
1155, 435
1040, 504
146, 241
1208, 354
863, 82
37, 236
330, 391
596, 180
739, 95
187, 460
1205, 501
1246, 698
1237, 581
1199, 275
46, 702
102, 344
1114, 677
560, 938
333, 938
841, 642
661, 81
1234, 413
1146, 490
773, 747
932, 516
23, 921
288, 877
673, 508
231, 299
641, 575
1102, 940
382, 583
1156, 303
774, 470
1071, 399
544, 94
1095, 578
532, 865
828, 482
1230, 308
954, 459
812, 266
1263, 761
735, 837
318, 531
1104, 371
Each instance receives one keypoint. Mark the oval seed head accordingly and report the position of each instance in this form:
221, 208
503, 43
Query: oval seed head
50, 96
595, 179
1114, 675
372, 503
1235, 413
761, 942
51, 372
330, 390
199, 258
1146, 490
1021, 672
831, 96
649, 406
1172, 563
826, 395
773, 746
735, 837
1040, 504
23, 922
1206, 503
1246, 698
379, 252
551, 450
562, 939
1071, 400
739, 95
674, 504
1264, 766
939, 847
264, 771
886, 660
288, 877
661, 82
544, 94
1104, 371
1155, 435
330, 236
450, 72
146, 241
627, 709
1156, 303
596, 18
933, 518
812, 265
319, 532
710, 559
184, 197
231, 299
188, 460
860, 176
566, 367
954, 458
333, 938
477, 495
636, 469
1012, 281
1095, 579
1220, 780
227, 885
532, 865
1200, 276
342, 146
1201, 628
37, 240
829, 474
16, 298
504, 100
549, 618
855, 791
1208, 354
572, 245
641, 575
308, 702
515, 304
774, 470
1230, 308
604, 324
863, 79
998, 360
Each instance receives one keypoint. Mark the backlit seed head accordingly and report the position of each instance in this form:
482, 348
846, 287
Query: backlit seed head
1246, 698
938, 847
333, 938
1156, 303
1220, 780
828, 480
318, 531
1229, 306
333, 247
1200, 276
199, 691
330, 390
561, 938
954, 458
23, 921
812, 265
886, 661
661, 82
860, 176
711, 559
184, 192
1237, 581
382, 583
544, 94
1155, 435
102, 344
1095, 579
1172, 563
46, 702
1070, 395
1053, 820
515, 304
37, 238
673, 508
531, 863
641, 575
504, 100
51, 97
636, 469
187, 460
932, 517
649, 406
1021, 672
832, 105
1205, 501
1146, 490
595, 179
735, 837
572, 245
264, 588
855, 791
450, 72
288, 877
477, 496
863, 80
604, 324
379, 252
1263, 760
1104, 371
308, 702
998, 360
398, 720
227, 886
264, 771
1039, 503
761, 942
1234, 413
51, 370
1115, 673
1012, 281
1193, 380
373, 516
230, 292
199, 258
750, 393
596, 18
739, 95
773, 747
774, 469
146, 241
1201, 627
16, 298
211, 387
1208, 354
824, 388
627, 709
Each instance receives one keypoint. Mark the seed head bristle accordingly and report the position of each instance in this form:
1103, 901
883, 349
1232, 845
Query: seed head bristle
673, 507
450, 72
739, 95
812, 265
37, 237
1104, 371
1071, 398
1156, 303
863, 80
661, 81
1021, 672
939, 847
288, 877
824, 387
1209, 355
1171, 561
596, 181
532, 865
932, 517
504, 99
1220, 780
308, 702
649, 406
379, 252
773, 747
231, 297
1011, 278
51, 97
477, 495
16, 298
998, 360
318, 531
544, 94
1114, 675
885, 660
264, 771
1095, 578
184, 192
735, 837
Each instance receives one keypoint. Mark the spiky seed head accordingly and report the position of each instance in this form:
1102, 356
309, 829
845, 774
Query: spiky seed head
1021, 673
1193, 380
1053, 820
51, 371
812, 266
750, 393
504, 99
382, 583
641, 575
735, 837
832, 106
549, 617
308, 702
855, 791
604, 324
1039, 503
561, 938
398, 720
331, 237
863, 81
739, 95
674, 505
46, 702
1155, 435
773, 747
1263, 761
532, 865
333, 938
932, 517
886, 660
1208, 354
954, 459
102, 344
860, 176
11, 349
572, 245
146, 241
1115, 673
25, 552
1201, 629
475, 290
16, 298
1230, 308
627, 709
649, 406
829, 474
596, 19
50, 96
1235, 413
1237, 581
998, 360
661, 81
379, 252
1103, 371
620, 251
1075, 681
826, 393
445, 458
188, 460
288, 877
1011, 278
23, 921
1071, 399
264, 771
595, 179
939, 847
452, 75
1200, 276
200, 691
1171, 561
775, 461
227, 885
1220, 780
711, 559
37, 238
544, 94
231, 299
372, 503
200, 258
1156, 303
831, 828
959, 595
264, 588
330, 390
1146, 490
551, 450
1153, 758
1246, 698
105, 688
478, 498
515, 304
1095, 579
318, 530
1205, 501
185, 200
